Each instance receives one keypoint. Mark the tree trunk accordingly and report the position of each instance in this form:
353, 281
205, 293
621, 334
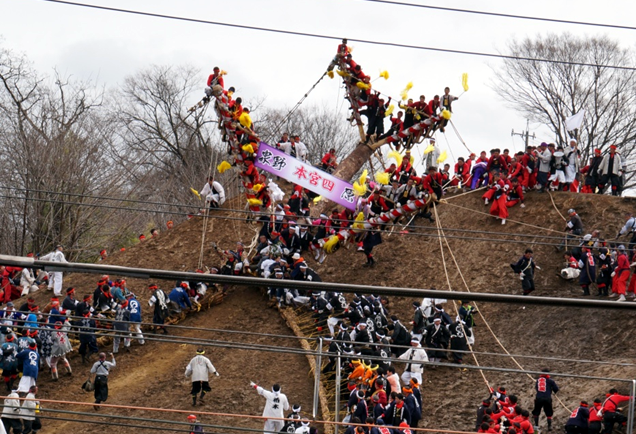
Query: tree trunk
345, 171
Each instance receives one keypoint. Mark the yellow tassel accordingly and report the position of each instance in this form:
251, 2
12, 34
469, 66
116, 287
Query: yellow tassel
223, 166
257, 188
317, 199
442, 157
363, 177
389, 111
395, 155
196, 193
465, 81
359, 189
330, 74
385, 74
409, 85
359, 223
363, 85
254, 202
248, 148
429, 149
446, 114
332, 244
342, 73
382, 178
404, 95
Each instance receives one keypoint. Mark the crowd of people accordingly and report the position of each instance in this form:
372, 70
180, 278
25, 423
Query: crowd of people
590, 259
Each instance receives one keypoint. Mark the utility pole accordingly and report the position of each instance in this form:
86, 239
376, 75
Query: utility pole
524, 134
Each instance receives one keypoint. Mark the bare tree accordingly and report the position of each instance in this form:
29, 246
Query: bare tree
52, 140
171, 148
548, 93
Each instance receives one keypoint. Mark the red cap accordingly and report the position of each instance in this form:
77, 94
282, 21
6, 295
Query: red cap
612, 146
597, 151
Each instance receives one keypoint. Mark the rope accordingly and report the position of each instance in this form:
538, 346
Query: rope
507, 220
555, 207
210, 413
206, 213
441, 248
458, 135
462, 194
277, 128
481, 315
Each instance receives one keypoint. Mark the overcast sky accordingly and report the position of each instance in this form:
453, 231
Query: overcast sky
108, 46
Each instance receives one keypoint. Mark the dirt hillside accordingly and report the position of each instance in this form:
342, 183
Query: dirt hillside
153, 375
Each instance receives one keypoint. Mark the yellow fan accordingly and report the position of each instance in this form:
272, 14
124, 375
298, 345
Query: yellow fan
330, 74
429, 149
331, 244
257, 187
248, 148
317, 199
442, 157
363, 85
395, 155
465, 81
196, 193
342, 73
389, 111
446, 114
382, 178
385, 74
223, 166
254, 202
359, 189
363, 177
404, 93
359, 222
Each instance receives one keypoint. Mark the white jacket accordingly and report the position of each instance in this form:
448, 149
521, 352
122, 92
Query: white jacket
54, 256
603, 168
419, 355
26, 278
28, 407
276, 403
544, 160
215, 193
12, 406
199, 368
301, 150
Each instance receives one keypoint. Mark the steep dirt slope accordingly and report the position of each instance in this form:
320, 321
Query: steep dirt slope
152, 376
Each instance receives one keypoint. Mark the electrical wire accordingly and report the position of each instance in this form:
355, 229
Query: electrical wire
322, 36
262, 213
195, 341
410, 233
502, 15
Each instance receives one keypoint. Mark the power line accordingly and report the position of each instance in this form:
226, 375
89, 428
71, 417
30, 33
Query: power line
497, 14
242, 219
242, 211
146, 273
322, 36
78, 328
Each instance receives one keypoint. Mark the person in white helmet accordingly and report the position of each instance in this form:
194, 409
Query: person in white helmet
275, 405
55, 280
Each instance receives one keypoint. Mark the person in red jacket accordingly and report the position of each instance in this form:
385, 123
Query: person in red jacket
620, 276
610, 415
462, 172
496, 162
596, 417
433, 182
216, 78
329, 162
499, 199
515, 169
524, 426
515, 195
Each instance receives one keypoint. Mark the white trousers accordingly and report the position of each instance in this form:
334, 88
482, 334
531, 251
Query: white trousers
407, 375
273, 426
